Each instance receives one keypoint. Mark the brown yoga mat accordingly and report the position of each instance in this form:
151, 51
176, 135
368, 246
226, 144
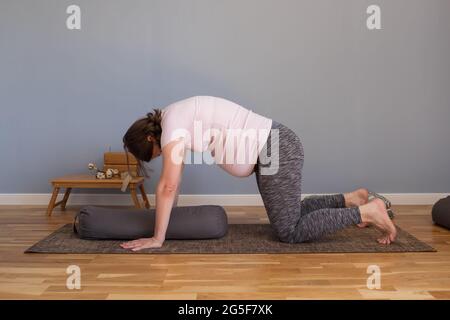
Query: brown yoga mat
241, 238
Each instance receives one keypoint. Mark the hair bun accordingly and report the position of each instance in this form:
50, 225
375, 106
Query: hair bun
155, 116
154, 122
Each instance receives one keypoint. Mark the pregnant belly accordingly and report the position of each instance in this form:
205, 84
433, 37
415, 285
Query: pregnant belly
238, 170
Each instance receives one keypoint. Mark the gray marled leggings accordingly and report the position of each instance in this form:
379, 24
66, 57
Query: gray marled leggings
294, 220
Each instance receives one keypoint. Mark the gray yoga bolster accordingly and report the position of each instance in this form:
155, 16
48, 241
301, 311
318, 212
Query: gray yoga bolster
196, 222
441, 212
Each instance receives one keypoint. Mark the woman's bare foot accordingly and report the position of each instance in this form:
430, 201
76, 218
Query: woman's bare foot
355, 199
375, 213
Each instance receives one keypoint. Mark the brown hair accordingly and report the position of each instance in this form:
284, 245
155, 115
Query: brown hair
135, 139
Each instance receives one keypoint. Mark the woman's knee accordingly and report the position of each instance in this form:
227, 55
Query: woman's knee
286, 237
293, 236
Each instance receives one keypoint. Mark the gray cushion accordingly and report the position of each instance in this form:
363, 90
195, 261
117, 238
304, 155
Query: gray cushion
441, 212
196, 222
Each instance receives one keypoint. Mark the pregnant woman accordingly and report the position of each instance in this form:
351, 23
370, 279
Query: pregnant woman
242, 143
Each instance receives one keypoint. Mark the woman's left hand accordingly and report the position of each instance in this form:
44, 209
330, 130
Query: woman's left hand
143, 243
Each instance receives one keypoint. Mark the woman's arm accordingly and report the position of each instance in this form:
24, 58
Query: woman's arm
168, 184
173, 154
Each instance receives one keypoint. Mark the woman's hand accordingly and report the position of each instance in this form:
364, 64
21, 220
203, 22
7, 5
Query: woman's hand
143, 243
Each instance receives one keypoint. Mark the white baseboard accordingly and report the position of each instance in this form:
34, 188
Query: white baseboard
194, 199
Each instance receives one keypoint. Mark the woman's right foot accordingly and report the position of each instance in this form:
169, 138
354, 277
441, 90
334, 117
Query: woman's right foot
375, 213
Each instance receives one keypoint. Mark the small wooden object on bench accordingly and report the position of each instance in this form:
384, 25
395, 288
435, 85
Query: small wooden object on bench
112, 160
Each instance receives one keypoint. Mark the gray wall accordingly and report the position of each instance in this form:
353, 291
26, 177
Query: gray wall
372, 107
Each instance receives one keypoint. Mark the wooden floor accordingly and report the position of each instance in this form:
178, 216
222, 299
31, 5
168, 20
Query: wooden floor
263, 276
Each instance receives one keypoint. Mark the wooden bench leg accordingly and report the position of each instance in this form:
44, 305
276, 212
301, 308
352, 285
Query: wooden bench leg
135, 197
52, 202
144, 196
66, 197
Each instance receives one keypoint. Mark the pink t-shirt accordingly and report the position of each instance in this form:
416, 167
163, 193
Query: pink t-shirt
233, 134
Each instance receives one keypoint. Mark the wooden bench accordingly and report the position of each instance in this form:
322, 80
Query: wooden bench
113, 160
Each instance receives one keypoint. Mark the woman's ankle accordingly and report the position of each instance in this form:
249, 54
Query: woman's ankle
366, 212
